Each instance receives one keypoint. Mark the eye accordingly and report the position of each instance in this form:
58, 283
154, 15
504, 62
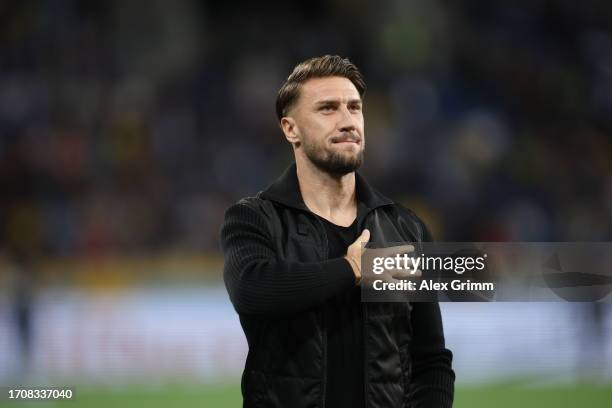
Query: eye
355, 107
327, 108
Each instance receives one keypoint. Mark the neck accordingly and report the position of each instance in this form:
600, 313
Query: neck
332, 197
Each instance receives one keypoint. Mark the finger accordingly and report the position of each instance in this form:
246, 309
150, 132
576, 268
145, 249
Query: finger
364, 237
404, 274
400, 249
386, 251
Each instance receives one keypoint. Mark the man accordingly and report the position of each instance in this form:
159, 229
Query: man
293, 267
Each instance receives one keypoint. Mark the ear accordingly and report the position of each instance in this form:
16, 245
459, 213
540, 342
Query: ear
290, 130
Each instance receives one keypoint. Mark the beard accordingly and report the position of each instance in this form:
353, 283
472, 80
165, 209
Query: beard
337, 163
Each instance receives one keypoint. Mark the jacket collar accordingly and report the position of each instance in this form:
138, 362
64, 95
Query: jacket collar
285, 190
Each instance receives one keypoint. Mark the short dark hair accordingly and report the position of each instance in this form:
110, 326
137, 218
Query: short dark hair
318, 67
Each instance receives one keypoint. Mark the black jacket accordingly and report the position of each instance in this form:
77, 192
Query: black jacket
278, 277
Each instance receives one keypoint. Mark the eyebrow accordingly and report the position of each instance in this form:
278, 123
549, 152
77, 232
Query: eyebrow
336, 101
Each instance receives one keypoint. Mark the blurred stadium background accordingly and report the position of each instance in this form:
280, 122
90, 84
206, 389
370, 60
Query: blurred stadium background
127, 128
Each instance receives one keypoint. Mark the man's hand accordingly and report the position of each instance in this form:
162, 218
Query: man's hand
355, 250
353, 254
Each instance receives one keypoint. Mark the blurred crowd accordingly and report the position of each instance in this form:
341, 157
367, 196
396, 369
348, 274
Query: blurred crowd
129, 127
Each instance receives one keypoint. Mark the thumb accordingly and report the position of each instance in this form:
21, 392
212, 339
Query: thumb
365, 236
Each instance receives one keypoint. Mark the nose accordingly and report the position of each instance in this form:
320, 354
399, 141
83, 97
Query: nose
347, 121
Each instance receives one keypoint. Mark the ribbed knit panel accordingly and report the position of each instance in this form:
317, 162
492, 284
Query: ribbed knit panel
434, 389
433, 378
260, 283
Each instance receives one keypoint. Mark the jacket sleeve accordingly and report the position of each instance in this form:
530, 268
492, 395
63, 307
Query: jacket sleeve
432, 376
261, 283
433, 379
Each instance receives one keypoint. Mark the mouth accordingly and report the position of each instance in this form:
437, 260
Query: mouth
346, 140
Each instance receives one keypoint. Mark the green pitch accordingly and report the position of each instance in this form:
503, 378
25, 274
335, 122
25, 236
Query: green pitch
500, 396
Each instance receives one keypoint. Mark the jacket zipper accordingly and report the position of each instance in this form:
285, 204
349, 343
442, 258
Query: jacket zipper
324, 331
323, 322
365, 356
366, 403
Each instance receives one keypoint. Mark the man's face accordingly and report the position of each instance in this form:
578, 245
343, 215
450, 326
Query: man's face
328, 121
